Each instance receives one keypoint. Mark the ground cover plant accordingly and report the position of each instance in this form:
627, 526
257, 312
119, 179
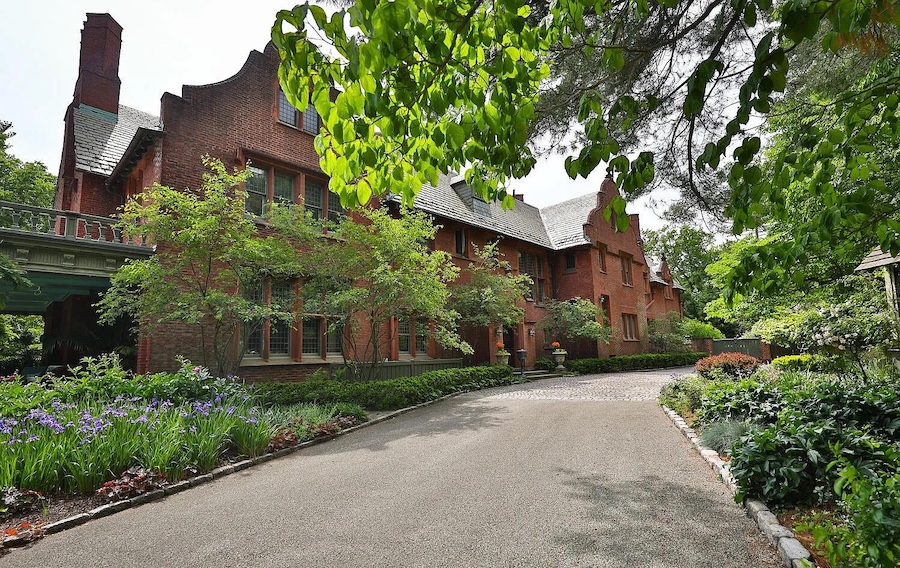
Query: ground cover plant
828, 443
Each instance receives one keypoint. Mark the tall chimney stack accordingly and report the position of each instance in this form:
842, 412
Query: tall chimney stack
98, 68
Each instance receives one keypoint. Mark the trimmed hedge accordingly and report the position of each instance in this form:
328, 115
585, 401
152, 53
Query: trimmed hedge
391, 394
633, 362
808, 362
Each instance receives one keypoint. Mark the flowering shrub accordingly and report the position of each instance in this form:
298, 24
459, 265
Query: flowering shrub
103, 379
733, 365
88, 444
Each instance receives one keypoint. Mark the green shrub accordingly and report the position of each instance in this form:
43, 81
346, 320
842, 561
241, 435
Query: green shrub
695, 329
787, 464
633, 362
545, 363
721, 436
733, 365
683, 395
388, 394
746, 400
808, 363
867, 531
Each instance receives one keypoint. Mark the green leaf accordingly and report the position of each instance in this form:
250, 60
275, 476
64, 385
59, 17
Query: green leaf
456, 135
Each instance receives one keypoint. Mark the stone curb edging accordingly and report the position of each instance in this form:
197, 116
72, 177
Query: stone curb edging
792, 552
111, 508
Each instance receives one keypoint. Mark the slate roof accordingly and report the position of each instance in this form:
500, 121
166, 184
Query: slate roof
655, 277
101, 138
522, 222
876, 259
565, 221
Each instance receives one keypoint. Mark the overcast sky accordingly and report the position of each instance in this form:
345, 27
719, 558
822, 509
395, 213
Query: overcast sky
165, 44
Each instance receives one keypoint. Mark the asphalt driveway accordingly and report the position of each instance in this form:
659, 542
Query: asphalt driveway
583, 471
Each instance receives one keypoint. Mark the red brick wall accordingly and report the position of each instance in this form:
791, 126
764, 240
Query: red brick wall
228, 120
624, 299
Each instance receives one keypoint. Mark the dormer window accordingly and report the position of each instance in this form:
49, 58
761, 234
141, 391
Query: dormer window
308, 120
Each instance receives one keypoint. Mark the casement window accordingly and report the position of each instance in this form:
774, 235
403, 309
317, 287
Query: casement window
283, 191
270, 185
335, 209
404, 330
570, 261
257, 188
533, 266
307, 121
319, 333
412, 336
421, 332
312, 337
629, 327
626, 270
269, 337
601, 258
313, 198
334, 340
460, 242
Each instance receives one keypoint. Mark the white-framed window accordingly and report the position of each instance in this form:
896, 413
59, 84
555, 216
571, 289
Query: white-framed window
257, 188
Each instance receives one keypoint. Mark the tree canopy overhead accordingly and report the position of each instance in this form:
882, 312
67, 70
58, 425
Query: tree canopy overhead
433, 86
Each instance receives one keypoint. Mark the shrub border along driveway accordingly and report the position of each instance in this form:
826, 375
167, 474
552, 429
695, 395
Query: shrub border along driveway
792, 551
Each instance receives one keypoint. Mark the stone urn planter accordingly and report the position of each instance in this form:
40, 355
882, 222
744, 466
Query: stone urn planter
503, 357
559, 357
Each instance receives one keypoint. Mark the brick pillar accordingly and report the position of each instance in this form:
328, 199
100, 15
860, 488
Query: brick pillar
702, 345
765, 351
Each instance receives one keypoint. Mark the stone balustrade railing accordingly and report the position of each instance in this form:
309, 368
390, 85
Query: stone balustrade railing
64, 224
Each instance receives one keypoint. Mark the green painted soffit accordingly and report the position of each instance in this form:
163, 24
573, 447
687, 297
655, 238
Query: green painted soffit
48, 288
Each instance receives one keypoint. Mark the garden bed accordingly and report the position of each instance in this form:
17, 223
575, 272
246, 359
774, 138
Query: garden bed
104, 436
818, 444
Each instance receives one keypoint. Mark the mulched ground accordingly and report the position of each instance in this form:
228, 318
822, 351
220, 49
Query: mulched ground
791, 518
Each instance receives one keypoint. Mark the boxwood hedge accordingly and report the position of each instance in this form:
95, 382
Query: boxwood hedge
633, 362
390, 394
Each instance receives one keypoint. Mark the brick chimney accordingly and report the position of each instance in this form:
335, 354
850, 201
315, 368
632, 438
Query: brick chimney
98, 68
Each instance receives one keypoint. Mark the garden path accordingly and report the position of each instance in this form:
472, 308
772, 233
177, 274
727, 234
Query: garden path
569, 472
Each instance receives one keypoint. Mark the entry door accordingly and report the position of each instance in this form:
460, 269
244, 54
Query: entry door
509, 338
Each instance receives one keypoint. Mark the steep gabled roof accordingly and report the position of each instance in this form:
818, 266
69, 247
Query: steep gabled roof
101, 138
564, 222
656, 275
522, 222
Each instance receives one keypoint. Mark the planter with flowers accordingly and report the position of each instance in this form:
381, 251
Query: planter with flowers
502, 354
559, 356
